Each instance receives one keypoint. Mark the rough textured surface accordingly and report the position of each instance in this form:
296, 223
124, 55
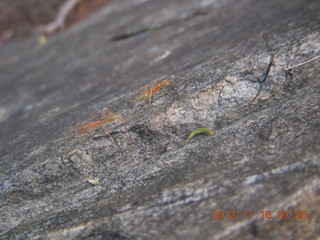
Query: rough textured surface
265, 153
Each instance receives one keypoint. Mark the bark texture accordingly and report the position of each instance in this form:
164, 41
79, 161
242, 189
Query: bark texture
231, 58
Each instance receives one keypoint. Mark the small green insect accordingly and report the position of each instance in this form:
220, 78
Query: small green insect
197, 131
93, 181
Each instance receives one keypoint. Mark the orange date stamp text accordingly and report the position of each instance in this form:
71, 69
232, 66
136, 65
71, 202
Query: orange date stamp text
268, 214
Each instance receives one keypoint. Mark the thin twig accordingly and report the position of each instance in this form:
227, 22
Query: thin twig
175, 76
300, 64
59, 21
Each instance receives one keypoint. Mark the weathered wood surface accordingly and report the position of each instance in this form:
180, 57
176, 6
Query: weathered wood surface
264, 154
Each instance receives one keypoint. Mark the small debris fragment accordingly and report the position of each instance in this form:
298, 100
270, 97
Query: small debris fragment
153, 29
42, 39
303, 63
5, 36
93, 181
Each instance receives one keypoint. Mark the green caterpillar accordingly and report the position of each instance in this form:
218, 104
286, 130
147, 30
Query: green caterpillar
197, 131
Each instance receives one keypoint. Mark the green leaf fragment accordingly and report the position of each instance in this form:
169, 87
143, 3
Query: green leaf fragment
93, 181
153, 29
42, 39
197, 131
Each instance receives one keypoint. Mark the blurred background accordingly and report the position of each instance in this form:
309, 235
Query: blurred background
19, 18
